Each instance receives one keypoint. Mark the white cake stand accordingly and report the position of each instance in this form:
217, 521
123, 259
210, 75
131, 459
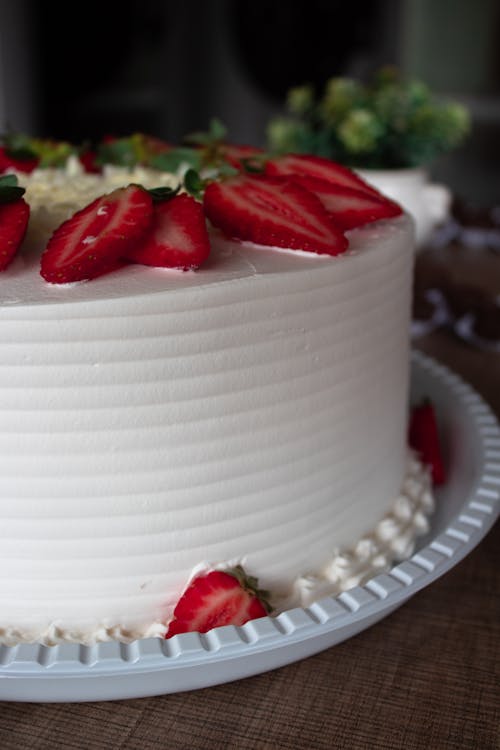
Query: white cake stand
467, 507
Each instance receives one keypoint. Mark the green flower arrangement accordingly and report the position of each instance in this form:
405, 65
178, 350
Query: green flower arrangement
389, 123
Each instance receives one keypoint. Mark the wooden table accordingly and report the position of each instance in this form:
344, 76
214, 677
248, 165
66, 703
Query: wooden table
427, 677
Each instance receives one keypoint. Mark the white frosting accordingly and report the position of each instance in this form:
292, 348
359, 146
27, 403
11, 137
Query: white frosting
393, 538
151, 420
350, 567
55, 194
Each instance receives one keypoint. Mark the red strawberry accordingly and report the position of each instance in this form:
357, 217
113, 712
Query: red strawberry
177, 238
272, 211
349, 207
13, 224
7, 161
215, 599
237, 155
424, 438
88, 160
14, 215
319, 167
93, 240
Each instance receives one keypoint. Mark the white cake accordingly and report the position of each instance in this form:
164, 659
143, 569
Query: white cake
156, 423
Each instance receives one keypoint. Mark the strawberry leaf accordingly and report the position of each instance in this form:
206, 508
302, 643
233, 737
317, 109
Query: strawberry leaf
225, 170
194, 184
163, 193
10, 191
8, 180
216, 133
252, 165
251, 584
176, 158
120, 152
217, 129
19, 146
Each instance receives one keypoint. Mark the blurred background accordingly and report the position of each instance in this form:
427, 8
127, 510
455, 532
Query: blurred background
166, 68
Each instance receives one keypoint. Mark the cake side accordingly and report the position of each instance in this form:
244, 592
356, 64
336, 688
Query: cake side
255, 414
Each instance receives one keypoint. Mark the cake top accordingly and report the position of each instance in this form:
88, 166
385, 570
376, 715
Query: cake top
134, 230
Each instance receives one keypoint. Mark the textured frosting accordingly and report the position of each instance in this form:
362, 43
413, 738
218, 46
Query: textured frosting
152, 421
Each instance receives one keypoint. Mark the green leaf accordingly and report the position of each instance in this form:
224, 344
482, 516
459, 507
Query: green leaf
216, 133
217, 130
120, 152
9, 189
252, 165
19, 146
193, 183
53, 154
8, 180
173, 160
225, 170
163, 193
391, 121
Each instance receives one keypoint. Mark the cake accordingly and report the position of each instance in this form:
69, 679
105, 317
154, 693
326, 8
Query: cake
157, 424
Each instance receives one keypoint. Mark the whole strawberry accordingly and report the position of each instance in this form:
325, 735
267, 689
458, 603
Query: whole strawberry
14, 216
424, 439
218, 598
96, 239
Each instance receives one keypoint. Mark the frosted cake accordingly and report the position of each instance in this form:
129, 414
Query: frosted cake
155, 424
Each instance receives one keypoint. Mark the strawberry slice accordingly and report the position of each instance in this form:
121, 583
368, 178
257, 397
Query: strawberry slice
319, 167
236, 155
217, 598
88, 160
177, 238
424, 438
347, 206
93, 240
14, 216
10, 161
272, 211
13, 224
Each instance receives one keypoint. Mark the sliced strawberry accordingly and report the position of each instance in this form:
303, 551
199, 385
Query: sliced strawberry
177, 238
8, 161
215, 599
237, 155
272, 211
88, 160
13, 224
319, 167
349, 207
93, 241
424, 438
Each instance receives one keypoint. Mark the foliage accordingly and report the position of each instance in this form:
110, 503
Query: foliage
390, 122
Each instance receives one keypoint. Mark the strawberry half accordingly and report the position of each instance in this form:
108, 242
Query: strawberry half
13, 224
319, 167
177, 238
14, 216
215, 599
10, 161
272, 211
237, 155
347, 206
88, 160
424, 438
94, 240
